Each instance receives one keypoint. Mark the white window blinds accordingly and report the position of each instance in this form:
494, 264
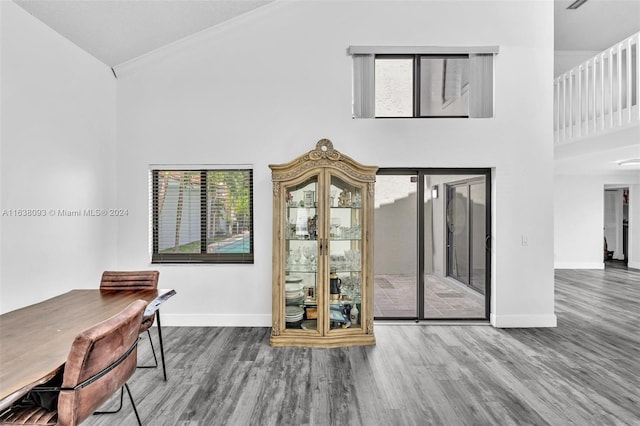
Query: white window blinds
363, 86
481, 85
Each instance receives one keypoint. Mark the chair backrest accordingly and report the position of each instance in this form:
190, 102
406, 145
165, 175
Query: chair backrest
101, 360
129, 280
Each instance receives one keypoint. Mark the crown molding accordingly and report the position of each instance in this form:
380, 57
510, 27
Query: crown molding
132, 65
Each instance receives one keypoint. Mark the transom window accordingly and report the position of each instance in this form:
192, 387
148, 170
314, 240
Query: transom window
202, 215
418, 82
421, 86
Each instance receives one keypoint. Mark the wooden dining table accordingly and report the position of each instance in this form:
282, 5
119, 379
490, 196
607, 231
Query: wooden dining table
35, 340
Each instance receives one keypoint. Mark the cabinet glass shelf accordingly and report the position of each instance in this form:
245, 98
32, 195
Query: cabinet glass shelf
322, 250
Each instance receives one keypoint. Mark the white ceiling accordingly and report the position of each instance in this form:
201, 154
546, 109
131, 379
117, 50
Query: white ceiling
599, 154
116, 31
595, 25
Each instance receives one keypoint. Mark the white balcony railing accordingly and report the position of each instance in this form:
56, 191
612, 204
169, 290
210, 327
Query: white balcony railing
598, 95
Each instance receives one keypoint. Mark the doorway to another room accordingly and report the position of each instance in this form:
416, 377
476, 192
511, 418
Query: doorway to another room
616, 226
432, 244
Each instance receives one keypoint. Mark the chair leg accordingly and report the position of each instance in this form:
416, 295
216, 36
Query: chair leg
153, 351
96, 413
164, 369
133, 404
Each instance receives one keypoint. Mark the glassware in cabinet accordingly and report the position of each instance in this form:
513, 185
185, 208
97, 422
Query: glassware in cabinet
301, 252
345, 253
322, 252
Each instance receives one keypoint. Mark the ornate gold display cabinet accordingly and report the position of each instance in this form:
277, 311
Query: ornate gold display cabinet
322, 250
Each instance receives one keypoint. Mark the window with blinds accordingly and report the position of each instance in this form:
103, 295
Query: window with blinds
202, 216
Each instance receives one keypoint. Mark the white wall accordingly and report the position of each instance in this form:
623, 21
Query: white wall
579, 219
578, 222
57, 152
264, 88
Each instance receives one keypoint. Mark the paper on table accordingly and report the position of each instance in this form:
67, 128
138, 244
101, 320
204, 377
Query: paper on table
154, 305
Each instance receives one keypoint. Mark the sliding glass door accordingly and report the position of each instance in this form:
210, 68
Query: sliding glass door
395, 248
431, 236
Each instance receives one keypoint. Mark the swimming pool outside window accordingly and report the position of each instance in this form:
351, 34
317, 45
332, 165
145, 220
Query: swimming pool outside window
202, 215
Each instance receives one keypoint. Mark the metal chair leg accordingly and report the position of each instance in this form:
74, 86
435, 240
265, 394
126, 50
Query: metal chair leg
133, 404
96, 413
164, 369
153, 351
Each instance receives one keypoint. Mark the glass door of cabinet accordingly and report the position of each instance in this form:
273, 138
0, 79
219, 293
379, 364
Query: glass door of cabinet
301, 255
345, 254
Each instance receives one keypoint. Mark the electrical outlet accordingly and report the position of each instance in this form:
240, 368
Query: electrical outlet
525, 240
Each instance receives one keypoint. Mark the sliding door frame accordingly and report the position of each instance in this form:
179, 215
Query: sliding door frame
420, 173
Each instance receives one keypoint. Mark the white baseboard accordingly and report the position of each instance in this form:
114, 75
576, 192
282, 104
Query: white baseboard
237, 320
634, 265
578, 265
216, 320
524, 321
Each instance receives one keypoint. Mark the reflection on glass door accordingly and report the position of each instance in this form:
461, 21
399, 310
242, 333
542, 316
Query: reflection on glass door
466, 233
478, 236
430, 259
457, 233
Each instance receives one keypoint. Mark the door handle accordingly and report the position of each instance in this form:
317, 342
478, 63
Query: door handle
487, 243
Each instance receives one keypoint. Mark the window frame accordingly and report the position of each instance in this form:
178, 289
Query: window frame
203, 257
417, 78
482, 74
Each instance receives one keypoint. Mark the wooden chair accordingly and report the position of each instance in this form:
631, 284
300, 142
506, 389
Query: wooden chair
138, 280
101, 360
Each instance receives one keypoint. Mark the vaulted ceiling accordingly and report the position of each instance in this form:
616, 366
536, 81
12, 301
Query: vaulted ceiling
116, 31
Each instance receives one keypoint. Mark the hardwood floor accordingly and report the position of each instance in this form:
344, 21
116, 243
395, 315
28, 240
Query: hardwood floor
584, 372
